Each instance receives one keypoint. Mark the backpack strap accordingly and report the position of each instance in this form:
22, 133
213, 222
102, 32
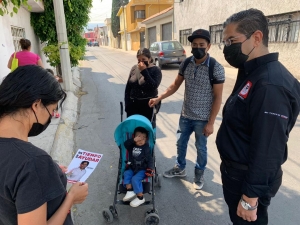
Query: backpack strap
212, 63
186, 63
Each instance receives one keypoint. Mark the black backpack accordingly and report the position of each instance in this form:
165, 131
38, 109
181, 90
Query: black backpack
212, 63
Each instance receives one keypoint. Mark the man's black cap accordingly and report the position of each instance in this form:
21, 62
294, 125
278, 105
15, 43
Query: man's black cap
200, 33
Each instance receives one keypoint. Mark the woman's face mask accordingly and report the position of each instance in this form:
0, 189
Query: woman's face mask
37, 127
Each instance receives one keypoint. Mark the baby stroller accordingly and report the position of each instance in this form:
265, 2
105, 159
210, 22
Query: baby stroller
122, 133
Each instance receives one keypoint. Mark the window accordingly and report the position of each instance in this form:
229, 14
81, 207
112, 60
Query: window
171, 46
184, 35
140, 14
17, 34
284, 28
216, 33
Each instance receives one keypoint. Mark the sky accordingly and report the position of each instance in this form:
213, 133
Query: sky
100, 11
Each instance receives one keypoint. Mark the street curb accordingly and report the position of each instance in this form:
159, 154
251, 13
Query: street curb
63, 144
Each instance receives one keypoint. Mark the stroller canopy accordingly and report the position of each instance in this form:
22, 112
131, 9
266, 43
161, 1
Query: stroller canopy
128, 126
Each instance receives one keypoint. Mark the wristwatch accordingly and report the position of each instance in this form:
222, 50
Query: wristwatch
247, 206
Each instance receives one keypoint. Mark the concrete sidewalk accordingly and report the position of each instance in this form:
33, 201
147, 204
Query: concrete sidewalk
58, 139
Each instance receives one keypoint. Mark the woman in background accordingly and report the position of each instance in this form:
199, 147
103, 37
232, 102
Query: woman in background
142, 85
25, 57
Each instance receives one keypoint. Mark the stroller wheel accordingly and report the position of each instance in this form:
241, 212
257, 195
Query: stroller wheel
150, 210
114, 211
107, 215
152, 219
159, 179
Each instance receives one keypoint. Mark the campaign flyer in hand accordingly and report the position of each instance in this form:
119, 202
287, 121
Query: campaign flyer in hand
82, 165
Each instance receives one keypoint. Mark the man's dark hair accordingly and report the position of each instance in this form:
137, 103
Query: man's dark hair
142, 130
85, 162
249, 21
27, 84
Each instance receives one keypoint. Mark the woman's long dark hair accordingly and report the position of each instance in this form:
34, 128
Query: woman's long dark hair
145, 52
27, 84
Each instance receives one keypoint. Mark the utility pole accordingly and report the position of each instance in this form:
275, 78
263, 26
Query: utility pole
62, 38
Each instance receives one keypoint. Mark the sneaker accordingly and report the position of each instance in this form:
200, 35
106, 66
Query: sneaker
175, 172
129, 195
137, 202
198, 179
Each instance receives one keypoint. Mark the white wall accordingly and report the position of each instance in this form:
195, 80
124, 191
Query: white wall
197, 14
22, 19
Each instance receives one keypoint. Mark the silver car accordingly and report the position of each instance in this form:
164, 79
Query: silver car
167, 52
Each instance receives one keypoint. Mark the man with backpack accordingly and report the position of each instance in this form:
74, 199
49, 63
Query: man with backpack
204, 78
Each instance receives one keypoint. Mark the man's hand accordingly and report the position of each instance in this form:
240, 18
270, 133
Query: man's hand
249, 215
149, 172
208, 129
153, 102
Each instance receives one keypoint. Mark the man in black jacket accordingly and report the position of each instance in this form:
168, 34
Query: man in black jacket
257, 119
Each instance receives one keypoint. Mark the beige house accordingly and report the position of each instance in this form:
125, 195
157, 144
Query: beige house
159, 27
284, 25
112, 41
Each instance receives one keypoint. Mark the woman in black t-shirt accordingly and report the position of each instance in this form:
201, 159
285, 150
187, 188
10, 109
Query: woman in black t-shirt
142, 85
32, 187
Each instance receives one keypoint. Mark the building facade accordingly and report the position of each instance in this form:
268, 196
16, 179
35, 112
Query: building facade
131, 25
159, 27
112, 41
13, 29
283, 16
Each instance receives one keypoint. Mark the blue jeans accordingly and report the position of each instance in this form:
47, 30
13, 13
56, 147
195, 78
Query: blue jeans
135, 180
186, 128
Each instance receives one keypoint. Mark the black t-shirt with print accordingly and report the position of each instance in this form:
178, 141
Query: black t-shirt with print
29, 178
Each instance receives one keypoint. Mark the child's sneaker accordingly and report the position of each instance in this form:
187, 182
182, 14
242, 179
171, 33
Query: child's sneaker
137, 202
129, 195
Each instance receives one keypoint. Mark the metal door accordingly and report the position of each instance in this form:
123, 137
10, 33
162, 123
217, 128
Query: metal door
151, 35
167, 32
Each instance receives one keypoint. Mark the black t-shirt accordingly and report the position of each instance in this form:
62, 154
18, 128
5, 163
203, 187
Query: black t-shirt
28, 179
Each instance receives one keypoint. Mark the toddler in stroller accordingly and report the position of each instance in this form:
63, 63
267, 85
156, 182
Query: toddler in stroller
135, 138
139, 165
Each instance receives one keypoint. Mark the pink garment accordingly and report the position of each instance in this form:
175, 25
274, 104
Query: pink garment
26, 58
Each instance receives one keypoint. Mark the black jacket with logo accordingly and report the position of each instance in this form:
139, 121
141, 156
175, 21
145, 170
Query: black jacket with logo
257, 120
140, 157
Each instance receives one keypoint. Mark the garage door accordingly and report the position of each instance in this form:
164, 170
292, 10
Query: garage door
151, 35
167, 31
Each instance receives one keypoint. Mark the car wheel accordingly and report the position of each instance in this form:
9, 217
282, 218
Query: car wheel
158, 64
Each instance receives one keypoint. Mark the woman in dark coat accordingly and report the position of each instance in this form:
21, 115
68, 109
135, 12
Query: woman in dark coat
142, 85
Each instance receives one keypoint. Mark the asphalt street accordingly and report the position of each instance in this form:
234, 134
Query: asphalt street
104, 75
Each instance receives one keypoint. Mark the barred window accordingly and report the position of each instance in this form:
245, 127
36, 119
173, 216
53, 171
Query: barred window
17, 34
184, 36
216, 33
284, 28
140, 14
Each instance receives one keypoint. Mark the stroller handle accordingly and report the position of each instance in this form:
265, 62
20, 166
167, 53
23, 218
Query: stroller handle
121, 108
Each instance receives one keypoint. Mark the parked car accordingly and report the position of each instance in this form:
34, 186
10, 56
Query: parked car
167, 52
95, 43
89, 44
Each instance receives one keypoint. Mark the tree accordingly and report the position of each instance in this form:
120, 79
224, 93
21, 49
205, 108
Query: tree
77, 16
15, 3
115, 20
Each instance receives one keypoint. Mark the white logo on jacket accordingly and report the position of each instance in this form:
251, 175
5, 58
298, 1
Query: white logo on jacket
136, 151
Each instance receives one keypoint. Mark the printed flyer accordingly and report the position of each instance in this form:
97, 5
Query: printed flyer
82, 165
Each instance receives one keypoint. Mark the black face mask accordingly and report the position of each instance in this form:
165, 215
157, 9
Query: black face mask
198, 53
37, 127
146, 63
234, 56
